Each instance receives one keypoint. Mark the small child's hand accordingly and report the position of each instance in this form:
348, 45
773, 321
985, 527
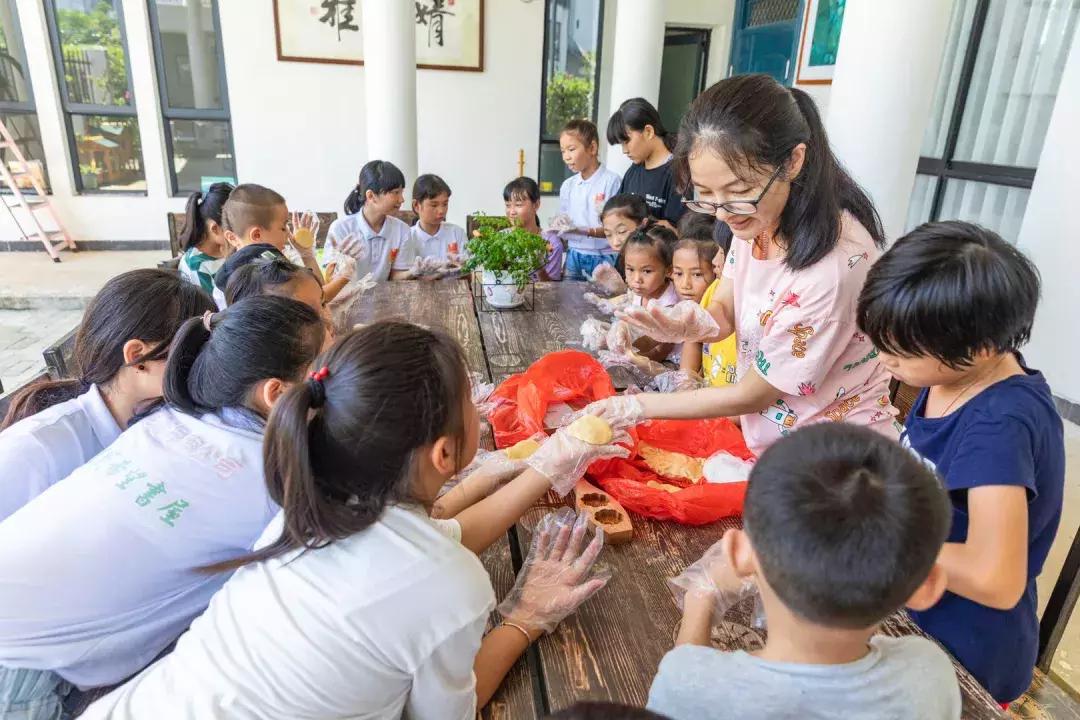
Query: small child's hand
607, 278
344, 267
354, 246
303, 229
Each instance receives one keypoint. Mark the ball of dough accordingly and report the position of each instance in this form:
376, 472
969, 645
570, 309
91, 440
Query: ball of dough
303, 238
522, 450
591, 429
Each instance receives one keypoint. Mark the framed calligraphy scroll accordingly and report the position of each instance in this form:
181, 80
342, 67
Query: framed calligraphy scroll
449, 33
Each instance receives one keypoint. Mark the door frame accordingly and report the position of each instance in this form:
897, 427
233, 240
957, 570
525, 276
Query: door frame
736, 39
703, 68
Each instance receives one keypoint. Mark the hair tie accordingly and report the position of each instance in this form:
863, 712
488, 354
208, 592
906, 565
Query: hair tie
315, 385
207, 318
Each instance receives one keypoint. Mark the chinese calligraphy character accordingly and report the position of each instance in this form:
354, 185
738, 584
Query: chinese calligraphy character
152, 491
173, 511
432, 13
131, 477
339, 14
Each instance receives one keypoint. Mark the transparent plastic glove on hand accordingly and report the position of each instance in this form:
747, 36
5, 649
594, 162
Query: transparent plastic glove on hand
562, 223
559, 574
303, 229
344, 267
352, 245
608, 306
620, 411
685, 322
563, 458
594, 334
608, 280
712, 574
620, 338
677, 381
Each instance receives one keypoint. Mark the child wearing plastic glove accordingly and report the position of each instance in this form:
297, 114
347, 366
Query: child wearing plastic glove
304, 225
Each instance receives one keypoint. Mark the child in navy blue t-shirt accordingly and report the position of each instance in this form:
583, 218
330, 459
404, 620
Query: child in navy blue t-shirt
948, 306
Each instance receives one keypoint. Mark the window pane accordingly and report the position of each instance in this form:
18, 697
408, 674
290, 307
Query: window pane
202, 153
188, 38
570, 75
93, 51
956, 44
110, 155
1015, 81
997, 207
922, 196
14, 82
24, 129
552, 169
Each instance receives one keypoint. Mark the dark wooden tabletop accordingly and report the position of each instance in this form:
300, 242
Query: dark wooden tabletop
609, 649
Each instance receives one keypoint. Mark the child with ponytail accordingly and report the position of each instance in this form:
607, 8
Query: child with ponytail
203, 238
361, 605
181, 489
55, 426
637, 126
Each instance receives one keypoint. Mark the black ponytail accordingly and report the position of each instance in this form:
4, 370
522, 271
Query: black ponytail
342, 446
216, 359
634, 114
148, 305
753, 123
201, 208
378, 176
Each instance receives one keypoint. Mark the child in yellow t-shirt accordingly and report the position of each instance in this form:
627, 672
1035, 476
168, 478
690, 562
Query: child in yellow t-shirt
699, 260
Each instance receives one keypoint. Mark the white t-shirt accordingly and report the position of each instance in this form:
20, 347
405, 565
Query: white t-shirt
390, 248
43, 449
383, 624
98, 573
583, 200
437, 245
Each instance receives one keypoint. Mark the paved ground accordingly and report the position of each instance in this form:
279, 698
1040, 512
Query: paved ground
23, 335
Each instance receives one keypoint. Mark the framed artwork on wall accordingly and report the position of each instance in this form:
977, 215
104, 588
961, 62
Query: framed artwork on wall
449, 33
819, 42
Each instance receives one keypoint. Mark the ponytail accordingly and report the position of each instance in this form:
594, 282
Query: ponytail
634, 114
378, 176
199, 210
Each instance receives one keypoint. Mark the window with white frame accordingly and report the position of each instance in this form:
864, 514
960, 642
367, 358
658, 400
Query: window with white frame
17, 109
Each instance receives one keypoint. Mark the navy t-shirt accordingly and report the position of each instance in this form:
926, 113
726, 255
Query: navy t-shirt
1009, 434
657, 186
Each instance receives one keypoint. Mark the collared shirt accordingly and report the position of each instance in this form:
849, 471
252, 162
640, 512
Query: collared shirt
392, 248
43, 449
438, 245
583, 200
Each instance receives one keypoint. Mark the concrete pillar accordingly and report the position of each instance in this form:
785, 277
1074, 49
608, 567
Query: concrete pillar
390, 83
636, 60
883, 87
1048, 236
200, 55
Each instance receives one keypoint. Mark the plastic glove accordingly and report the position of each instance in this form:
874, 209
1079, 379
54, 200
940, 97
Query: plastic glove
607, 278
677, 381
594, 334
563, 458
620, 411
306, 220
353, 245
483, 476
558, 575
608, 306
562, 223
344, 267
685, 322
712, 575
620, 338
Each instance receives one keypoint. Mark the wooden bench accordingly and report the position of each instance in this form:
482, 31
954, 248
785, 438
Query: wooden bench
58, 356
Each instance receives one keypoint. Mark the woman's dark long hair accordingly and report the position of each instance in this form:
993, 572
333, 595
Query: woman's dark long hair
753, 123
148, 305
200, 209
378, 176
634, 114
256, 339
342, 448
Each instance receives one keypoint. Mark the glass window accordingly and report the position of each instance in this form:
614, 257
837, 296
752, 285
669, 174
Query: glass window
922, 197
998, 207
109, 152
93, 53
17, 110
956, 42
571, 76
14, 78
194, 98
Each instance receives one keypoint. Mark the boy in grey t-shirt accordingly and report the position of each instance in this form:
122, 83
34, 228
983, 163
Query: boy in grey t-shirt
842, 527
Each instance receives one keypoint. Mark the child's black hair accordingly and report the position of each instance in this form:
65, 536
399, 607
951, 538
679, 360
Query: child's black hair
604, 711
660, 238
429, 187
250, 205
256, 339
240, 259
627, 204
754, 123
705, 249
148, 305
202, 208
522, 187
722, 235
846, 524
585, 129
696, 226
339, 450
378, 176
265, 276
634, 114
949, 290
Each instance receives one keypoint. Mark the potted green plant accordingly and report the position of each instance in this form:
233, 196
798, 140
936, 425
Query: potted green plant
506, 257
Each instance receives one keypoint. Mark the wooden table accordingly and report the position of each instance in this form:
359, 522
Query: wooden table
609, 649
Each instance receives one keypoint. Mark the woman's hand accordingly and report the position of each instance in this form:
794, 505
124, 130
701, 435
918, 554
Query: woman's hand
563, 459
685, 322
620, 411
558, 573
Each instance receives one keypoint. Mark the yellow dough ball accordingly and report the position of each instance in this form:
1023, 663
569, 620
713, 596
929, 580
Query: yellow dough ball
303, 238
522, 450
591, 429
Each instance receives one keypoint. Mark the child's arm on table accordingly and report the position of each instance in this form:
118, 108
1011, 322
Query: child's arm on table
658, 351
697, 619
690, 360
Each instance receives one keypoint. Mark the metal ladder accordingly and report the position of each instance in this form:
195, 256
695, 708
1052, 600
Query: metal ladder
36, 207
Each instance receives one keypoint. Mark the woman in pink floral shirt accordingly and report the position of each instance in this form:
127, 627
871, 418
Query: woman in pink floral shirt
805, 235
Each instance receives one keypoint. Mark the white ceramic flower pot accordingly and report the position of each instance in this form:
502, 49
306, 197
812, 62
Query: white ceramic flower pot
500, 290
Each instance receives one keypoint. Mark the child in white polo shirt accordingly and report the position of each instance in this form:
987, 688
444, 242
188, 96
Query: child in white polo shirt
432, 235
369, 233
582, 197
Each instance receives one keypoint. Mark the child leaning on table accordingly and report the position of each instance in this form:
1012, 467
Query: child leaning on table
948, 306
715, 361
842, 528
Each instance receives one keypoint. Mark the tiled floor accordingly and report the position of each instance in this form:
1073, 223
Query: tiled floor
23, 335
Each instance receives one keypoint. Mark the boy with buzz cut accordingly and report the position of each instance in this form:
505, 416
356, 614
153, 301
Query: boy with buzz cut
842, 528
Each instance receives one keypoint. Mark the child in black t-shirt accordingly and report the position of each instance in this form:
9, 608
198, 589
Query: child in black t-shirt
637, 126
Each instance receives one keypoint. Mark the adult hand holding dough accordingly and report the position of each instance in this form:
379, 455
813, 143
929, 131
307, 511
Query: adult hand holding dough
563, 458
686, 321
619, 411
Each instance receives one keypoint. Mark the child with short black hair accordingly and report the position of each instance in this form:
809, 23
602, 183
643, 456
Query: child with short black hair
622, 215
948, 307
637, 127
432, 235
273, 275
842, 528
202, 238
582, 196
521, 197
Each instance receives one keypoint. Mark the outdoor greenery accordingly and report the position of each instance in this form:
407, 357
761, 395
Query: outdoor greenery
501, 249
81, 31
569, 96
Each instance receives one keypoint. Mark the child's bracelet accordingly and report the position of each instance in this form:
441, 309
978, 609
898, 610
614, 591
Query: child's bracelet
523, 631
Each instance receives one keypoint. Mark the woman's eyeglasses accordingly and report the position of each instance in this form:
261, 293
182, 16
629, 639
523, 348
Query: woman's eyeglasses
732, 207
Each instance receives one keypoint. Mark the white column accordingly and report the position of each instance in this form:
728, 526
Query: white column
390, 83
886, 72
1048, 236
636, 60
